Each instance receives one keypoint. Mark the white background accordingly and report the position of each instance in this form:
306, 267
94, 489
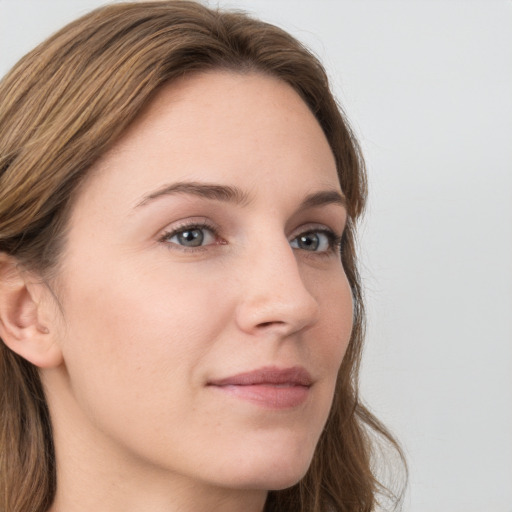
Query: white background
428, 88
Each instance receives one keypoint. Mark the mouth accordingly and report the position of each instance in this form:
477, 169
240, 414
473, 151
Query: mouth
268, 387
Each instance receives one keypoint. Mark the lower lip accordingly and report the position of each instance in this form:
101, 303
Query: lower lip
268, 395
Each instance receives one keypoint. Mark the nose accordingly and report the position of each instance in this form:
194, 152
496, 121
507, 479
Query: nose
275, 297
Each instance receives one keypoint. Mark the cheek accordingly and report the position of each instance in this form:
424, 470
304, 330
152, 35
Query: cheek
132, 331
335, 301
135, 347
329, 338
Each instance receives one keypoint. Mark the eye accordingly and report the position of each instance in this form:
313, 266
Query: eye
190, 236
316, 241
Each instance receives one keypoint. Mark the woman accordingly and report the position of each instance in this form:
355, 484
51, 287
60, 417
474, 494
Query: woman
180, 308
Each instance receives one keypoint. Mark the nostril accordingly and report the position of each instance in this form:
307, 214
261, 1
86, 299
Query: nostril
268, 324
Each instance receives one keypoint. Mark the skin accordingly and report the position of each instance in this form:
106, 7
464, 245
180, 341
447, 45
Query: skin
144, 323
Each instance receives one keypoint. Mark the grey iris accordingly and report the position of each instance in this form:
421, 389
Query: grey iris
191, 237
308, 242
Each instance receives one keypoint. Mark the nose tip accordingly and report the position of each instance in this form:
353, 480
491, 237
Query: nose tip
276, 299
283, 318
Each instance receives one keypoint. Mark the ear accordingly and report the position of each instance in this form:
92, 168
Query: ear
25, 315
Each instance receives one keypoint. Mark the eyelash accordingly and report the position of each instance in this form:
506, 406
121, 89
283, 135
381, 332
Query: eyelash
204, 225
335, 242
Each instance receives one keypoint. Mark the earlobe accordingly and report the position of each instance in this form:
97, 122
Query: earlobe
23, 320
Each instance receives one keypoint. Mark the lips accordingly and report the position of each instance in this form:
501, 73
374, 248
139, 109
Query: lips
296, 376
269, 387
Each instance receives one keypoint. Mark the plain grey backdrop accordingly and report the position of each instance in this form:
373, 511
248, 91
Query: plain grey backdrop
427, 86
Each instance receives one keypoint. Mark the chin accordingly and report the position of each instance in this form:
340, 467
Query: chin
276, 479
273, 472
285, 481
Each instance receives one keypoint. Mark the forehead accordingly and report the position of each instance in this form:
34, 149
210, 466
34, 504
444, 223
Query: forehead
230, 128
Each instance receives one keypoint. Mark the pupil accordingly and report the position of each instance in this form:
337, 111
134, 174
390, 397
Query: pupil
309, 242
191, 237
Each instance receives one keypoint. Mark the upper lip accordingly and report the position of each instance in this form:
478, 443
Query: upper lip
294, 376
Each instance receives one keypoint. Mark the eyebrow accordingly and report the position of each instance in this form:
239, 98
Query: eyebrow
224, 193
324, 197
230, 194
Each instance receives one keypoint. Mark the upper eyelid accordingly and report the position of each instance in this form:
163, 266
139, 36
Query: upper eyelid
173, 230
315, 226
199, 222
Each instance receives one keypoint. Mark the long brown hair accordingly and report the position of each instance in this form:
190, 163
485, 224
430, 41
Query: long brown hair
61, 107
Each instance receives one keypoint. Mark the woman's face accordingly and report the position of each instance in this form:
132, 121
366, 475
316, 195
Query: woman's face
206, 310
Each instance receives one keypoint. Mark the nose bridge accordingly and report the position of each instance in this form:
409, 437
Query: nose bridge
275, 296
